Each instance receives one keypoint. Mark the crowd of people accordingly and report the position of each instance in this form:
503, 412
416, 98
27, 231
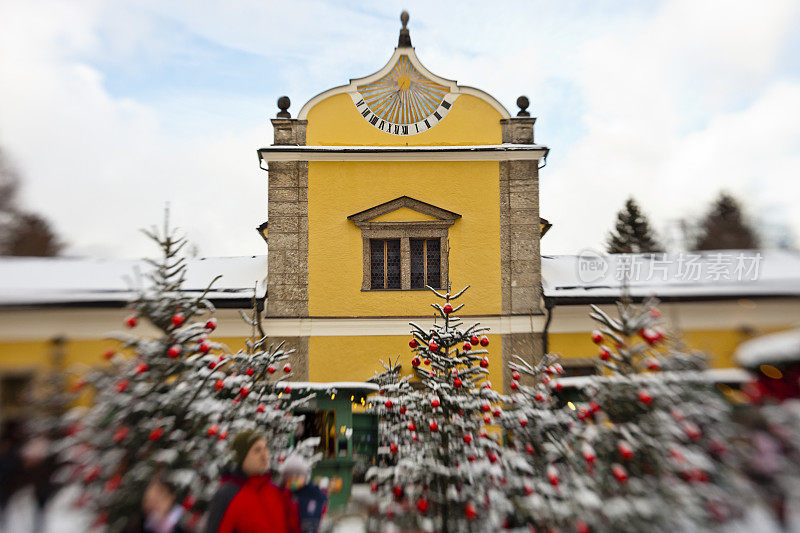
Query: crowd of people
248, 499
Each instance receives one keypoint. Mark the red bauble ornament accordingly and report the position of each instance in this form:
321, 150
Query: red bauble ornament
156, 434
413, 343
447, 309
403, 410
261, 408
434, 426
219, 384
474, 340
515, 375
457, 383
174, 351
528, 489
244, 391
213, 429
552, 475
373, 487
435, 403
471, 458
397, 490
514, 385
625, 451
121, 433
250, 372
484, 363
467, 438
287, 368
433, 346
652, 364
178, 319
415, 438
415, 362
412, 426
422, 505
122, 385
650, 336
223, 435
597, 337
619, 473
467, 347
389, 404
205, 347
393, 447
188, 502
644, 397
497, 412
581, 527
484, 341
487, 419
588, 454
492, 457
470, 511
211, 325
141, 368
594, 407
486, 407
108, 354
271, 369
287, 390
487, 385
523, 422
131, 321
539, 397
605, 355
427, 362
655, 312
212, 365
692, 430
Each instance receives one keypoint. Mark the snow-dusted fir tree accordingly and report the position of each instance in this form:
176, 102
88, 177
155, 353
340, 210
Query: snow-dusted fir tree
443, 472
166, 411
544, 474
654, 435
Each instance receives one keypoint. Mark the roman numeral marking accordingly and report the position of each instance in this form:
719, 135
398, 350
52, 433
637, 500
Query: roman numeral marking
360, 103
365, 112
405, 130
437, 115
445, 104
373, 120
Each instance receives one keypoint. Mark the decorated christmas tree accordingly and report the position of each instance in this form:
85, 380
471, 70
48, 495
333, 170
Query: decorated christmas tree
654, 435
439, 469
544, 474
165, 412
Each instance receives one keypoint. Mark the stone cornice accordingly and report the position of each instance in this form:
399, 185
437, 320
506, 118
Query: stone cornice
494, 152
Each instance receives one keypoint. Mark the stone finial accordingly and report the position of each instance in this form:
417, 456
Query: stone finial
283, 105
405, 36
523, 103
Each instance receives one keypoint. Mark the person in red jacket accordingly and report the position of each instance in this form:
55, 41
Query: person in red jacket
247, 501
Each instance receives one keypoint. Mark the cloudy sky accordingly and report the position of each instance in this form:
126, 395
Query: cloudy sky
109, 109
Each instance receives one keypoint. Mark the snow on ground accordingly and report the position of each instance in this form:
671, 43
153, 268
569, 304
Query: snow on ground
59, 515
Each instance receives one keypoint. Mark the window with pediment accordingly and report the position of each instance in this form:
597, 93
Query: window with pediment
405, 244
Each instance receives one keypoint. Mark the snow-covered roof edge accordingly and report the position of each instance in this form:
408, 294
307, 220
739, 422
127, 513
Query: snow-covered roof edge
775, 348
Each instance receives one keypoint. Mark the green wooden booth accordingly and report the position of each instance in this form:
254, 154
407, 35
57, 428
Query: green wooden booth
348, 436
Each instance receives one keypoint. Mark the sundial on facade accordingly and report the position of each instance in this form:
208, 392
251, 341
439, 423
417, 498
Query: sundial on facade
403, 98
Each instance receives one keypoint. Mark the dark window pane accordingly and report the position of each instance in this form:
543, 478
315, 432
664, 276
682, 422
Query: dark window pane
434, 263
393, 264
417, 263
376, 263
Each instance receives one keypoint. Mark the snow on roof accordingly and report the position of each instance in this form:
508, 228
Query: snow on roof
712, 375
783, 347
43, 281
719, 273
324, 386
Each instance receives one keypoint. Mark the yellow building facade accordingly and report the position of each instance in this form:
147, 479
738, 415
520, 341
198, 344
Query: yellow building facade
394, 181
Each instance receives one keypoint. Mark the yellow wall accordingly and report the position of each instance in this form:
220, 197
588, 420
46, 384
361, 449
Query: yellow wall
335, 247
718, 344
335, 121
356, 358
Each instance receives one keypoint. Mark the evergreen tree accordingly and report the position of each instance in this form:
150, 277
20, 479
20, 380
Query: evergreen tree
632, 232
655, 437
725, 228
439, 469
166, 413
